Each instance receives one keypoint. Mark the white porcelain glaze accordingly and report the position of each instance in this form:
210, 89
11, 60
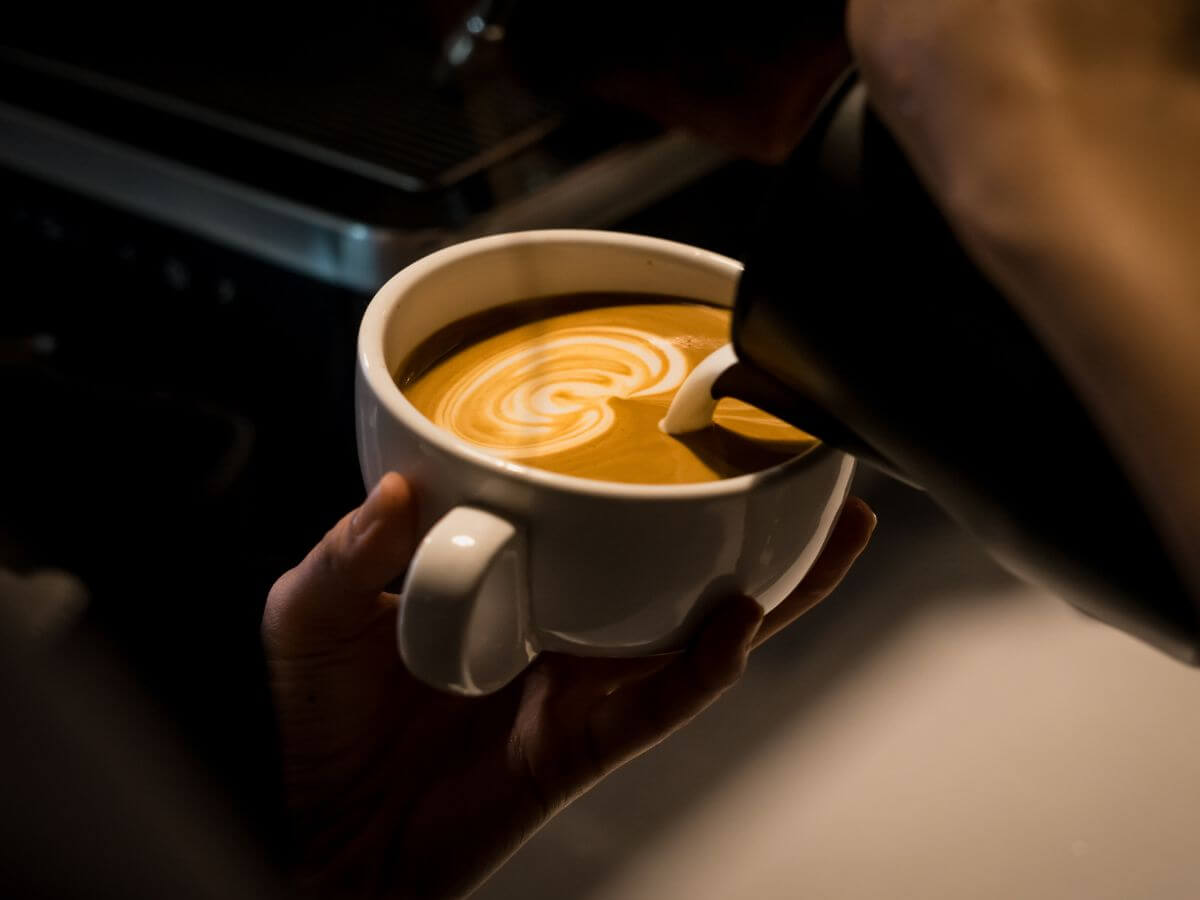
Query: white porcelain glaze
590, 567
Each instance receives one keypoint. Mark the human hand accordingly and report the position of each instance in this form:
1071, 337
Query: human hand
1060, 137
398, 790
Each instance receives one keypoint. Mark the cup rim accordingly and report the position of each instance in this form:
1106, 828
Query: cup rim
373, 368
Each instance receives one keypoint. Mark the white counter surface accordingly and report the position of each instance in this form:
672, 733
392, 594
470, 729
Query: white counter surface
936, 730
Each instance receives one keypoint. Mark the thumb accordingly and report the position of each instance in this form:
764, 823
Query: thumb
336, 589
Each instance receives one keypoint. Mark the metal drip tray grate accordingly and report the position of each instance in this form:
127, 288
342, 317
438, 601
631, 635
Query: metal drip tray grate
380, 117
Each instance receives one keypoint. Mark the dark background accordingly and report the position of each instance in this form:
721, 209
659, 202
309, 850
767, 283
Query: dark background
179, 415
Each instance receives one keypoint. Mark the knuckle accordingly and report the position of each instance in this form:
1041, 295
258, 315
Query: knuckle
328, 559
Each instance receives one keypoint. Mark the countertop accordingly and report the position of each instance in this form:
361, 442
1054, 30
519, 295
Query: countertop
935, 730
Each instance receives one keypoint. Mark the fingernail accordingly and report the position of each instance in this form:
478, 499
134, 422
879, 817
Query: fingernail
368, 513
872, 519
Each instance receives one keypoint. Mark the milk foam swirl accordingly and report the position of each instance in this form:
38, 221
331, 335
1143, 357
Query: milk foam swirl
549, 394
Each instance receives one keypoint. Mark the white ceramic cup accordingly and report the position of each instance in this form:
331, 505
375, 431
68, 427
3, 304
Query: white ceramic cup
517, 560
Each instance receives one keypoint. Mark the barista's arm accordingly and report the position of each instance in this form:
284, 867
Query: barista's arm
1063, 141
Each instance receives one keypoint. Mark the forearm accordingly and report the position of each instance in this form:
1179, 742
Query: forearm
1073, 177
1107, 270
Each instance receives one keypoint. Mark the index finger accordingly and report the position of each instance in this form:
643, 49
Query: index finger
335, 589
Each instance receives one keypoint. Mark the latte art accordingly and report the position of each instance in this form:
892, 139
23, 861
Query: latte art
578, 385
550, 395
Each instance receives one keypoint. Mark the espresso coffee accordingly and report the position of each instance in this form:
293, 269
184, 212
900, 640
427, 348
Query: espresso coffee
579, 384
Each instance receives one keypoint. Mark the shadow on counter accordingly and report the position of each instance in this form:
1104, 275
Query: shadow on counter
918, 562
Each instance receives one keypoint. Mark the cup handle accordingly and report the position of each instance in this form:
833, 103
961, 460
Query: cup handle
464, 624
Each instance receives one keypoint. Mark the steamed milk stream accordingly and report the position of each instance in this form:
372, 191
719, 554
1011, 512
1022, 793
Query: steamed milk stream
578, 385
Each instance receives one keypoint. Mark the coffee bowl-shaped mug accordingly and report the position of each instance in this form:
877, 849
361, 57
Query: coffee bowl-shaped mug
515, 560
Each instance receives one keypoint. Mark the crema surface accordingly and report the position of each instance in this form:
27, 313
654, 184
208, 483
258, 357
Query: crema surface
581, 392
